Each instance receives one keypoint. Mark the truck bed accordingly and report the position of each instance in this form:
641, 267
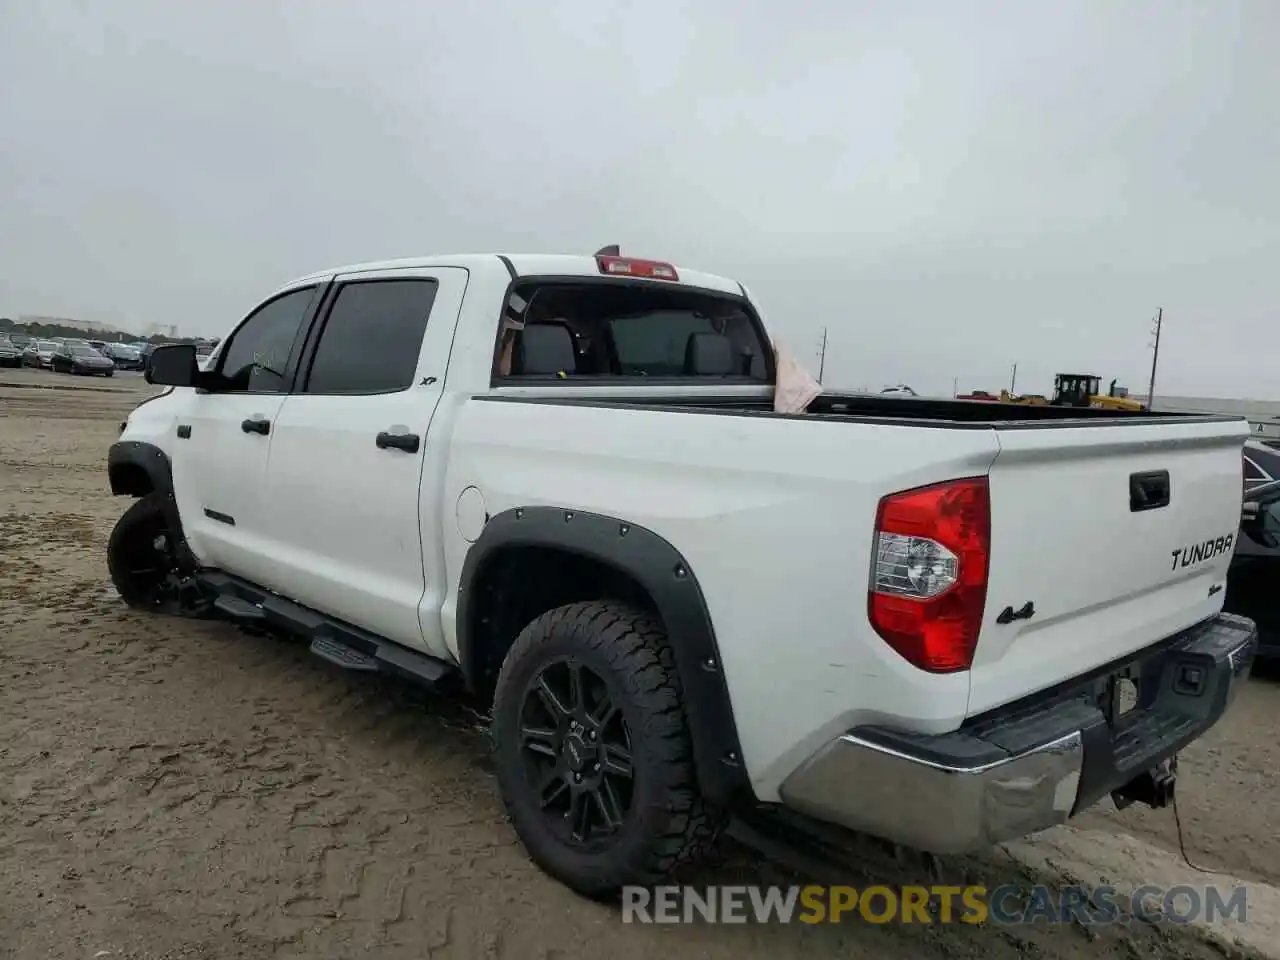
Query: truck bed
783, 509
867, 408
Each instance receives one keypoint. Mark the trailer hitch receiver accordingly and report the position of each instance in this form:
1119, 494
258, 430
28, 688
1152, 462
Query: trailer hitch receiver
1154, 787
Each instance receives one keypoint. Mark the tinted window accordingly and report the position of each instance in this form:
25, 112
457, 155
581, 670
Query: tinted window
372, 337
654, 344
257, 355
612, 329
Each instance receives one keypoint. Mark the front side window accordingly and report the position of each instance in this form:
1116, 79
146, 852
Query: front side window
257, 356
372, 337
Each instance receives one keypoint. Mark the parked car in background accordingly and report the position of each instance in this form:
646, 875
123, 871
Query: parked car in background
80, 358
1253, 582
10, 354
125, 356
39, 353
21, 340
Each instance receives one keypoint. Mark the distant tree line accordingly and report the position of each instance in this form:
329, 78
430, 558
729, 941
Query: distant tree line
44, 331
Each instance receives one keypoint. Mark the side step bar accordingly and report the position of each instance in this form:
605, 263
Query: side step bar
339, 643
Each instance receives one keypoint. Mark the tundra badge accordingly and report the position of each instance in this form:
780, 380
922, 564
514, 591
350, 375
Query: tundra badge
1199, 552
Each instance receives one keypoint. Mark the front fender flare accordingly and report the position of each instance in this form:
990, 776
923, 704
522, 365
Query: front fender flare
136, 469
669, 580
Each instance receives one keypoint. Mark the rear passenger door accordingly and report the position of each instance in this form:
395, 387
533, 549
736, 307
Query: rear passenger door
349, 446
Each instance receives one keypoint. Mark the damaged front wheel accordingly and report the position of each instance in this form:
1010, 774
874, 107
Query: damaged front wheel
145, 564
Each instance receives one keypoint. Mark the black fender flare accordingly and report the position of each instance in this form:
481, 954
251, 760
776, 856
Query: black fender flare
135, 469
670, 581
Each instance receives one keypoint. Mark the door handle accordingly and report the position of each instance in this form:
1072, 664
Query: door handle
408, 442
256, 425
1148, 491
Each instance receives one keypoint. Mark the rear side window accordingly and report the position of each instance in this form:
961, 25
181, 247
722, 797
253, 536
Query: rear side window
603, 330
372, 337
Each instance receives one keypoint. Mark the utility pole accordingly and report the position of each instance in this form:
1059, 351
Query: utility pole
1155, 358
1013, 380
822, 354
955, 387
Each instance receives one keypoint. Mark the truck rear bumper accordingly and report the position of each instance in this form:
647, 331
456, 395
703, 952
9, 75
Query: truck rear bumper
1034, 763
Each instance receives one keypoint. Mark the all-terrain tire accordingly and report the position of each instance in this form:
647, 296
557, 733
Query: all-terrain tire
140, 524
668, 824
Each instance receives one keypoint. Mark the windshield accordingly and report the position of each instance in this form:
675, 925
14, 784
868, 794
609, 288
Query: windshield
123, 351
47, 345
83, 350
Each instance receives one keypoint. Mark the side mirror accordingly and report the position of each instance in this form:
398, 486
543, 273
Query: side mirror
173, 366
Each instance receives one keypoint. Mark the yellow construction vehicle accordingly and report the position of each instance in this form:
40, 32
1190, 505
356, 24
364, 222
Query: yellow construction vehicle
1085, 390
1035, 399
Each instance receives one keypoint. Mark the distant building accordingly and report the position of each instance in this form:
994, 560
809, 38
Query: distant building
161, 330
66, 322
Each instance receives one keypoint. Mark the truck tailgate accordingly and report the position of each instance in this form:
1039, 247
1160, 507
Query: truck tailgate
1106, 537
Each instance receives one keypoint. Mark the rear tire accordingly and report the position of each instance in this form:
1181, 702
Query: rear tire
560, 766
142, 559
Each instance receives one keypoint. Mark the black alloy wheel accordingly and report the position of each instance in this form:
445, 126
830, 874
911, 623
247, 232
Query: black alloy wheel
593, 752
143, 560
577, 751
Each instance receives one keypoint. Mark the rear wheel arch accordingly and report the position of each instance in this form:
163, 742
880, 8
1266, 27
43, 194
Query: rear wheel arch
529, 560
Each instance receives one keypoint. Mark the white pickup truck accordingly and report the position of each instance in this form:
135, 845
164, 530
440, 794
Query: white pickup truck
560, 481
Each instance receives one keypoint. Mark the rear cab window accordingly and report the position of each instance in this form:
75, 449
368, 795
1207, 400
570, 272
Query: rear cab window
607, 330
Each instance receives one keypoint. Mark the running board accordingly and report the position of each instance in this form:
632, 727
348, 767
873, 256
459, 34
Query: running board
327, 648
339, 643
233, 608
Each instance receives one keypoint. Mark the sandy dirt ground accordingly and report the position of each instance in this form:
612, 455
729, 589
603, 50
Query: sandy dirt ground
175, 789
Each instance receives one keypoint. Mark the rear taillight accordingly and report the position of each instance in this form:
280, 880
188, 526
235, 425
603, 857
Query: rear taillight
929, 580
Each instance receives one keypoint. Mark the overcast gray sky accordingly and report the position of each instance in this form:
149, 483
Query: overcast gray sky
948, 187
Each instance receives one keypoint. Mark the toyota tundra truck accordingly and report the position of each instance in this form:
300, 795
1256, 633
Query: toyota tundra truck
561, 483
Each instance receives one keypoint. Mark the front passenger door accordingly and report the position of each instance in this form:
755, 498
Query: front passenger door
223, 441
